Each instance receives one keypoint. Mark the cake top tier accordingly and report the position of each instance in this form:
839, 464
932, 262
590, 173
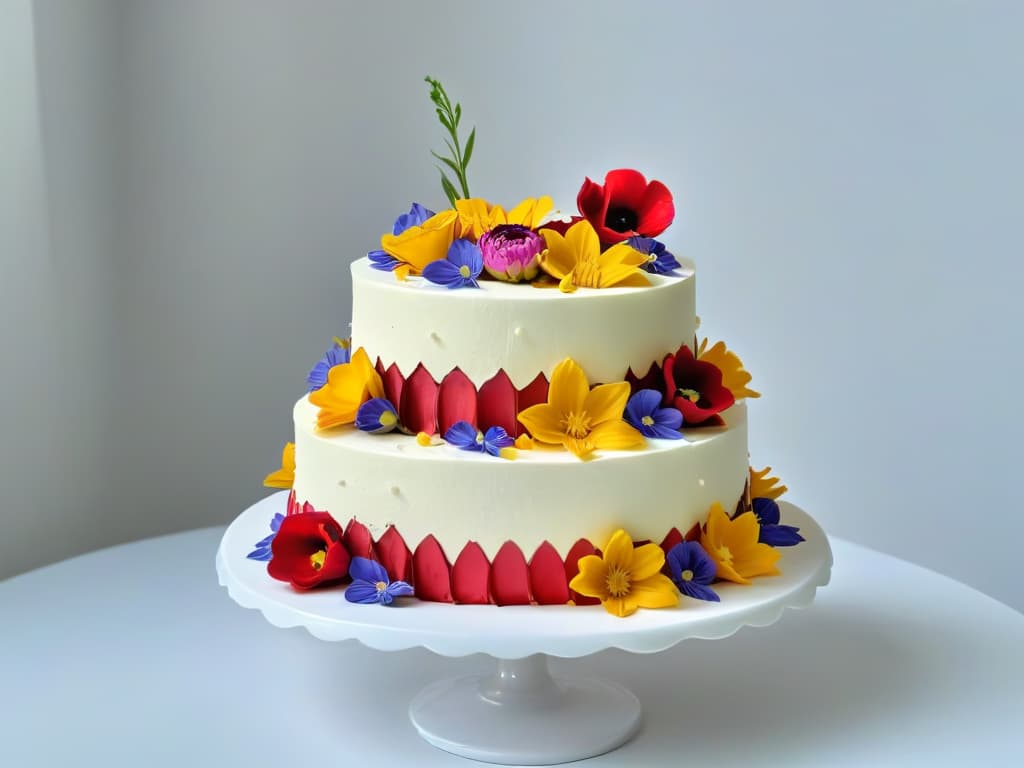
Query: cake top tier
521, 330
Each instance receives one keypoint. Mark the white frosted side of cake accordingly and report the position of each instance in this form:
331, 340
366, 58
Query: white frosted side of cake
542, 495
519, 328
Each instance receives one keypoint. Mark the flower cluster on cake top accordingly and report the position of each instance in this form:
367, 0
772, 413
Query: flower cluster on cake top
610, 243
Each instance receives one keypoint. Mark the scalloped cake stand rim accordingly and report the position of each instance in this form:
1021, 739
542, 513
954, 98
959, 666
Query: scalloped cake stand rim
515, 632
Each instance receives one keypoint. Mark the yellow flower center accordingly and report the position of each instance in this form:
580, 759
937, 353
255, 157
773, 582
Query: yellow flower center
464, 271
687, 575
647, 421
690, 394
586, 274
479, 437
381, 586
576, 425
317, 559
388, 419
724, 554
618, 581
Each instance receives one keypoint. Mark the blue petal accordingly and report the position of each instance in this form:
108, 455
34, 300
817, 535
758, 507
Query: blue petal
400, 589
383, 261
360, 591
464, 435
365, 569
699, 592
384, 597
464, 253
443, 272
495, 439
317, 377
690, 556
766, 511
260, 553
668, 417
642, 244
265, 541
275, 524
369, 416
780, 535
417, 215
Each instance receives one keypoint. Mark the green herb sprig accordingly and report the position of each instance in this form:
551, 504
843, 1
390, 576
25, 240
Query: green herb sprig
450, 117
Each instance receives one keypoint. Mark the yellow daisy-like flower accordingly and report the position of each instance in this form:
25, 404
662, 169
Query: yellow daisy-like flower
348, 386
734, 377
734, 547
764, 487
285, 476
576, 260
626, 578
477, 216
419, 245
580, 418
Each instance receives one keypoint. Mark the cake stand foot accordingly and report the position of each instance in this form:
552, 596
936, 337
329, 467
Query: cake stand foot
521, 715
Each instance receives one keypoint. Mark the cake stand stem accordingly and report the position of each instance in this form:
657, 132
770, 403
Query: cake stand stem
522, 715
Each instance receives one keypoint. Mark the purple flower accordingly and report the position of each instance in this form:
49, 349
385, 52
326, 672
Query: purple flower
659, 261
465, 436
383, 261
459, 269
370, 583
692, 570
643, 411
772, 532
417, 215
262, 547
377, 416
510, 252
340, 352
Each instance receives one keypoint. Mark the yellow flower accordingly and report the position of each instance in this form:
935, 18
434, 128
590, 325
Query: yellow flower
734, 377
576, 260
477, 216
625, 578
524, 442
734, 547
285, 476
580, 418
419, 245
764, 487
348, 386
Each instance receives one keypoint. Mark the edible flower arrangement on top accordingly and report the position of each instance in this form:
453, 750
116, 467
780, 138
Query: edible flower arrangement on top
609, 244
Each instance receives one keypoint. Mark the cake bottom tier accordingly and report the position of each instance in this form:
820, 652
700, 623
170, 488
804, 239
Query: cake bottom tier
458, 497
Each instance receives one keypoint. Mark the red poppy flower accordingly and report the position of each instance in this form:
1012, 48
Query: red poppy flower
626, 206
694, 387
308, 552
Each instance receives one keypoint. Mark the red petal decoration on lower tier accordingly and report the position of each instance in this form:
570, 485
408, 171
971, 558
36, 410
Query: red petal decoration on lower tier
456, 401
418, 408
394, 555
693, 534
431, 573
393, 382
358, 540
471, 575
581, 548
547, 576
510, 580
672, 538
496, 404
533, 393
651, 380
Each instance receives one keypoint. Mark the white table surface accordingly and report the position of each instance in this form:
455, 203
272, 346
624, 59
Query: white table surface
134, 656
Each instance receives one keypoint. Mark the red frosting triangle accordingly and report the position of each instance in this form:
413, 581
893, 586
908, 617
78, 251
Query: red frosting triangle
471, 575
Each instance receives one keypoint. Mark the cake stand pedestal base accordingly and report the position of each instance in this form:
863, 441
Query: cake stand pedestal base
522, 715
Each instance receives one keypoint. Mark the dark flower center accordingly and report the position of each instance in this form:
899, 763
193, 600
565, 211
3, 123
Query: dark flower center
511, 233
621, 219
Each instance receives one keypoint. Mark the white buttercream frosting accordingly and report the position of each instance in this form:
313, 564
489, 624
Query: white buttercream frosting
542, 495
519, 328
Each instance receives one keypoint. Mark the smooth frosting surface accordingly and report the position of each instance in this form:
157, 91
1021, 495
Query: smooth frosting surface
518, 328
542, 495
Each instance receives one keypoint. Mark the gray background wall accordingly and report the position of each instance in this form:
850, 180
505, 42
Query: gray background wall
848, 180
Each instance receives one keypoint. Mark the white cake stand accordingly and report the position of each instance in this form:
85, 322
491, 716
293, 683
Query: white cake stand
520, 714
